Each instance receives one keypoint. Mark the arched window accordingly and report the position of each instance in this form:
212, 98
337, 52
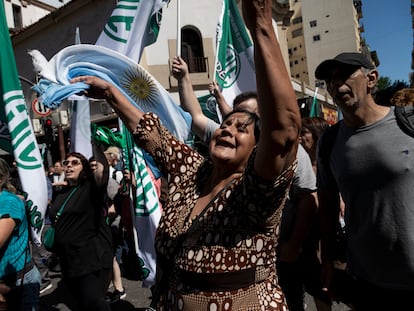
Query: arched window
192, 49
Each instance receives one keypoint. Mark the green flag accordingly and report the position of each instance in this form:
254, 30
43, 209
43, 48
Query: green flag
209, 107
235, 71
314, 112
16, 133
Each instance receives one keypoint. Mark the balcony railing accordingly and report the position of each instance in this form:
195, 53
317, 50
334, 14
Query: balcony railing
197, 64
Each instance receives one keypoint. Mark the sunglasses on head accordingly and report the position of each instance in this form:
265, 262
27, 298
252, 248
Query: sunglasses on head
75, 162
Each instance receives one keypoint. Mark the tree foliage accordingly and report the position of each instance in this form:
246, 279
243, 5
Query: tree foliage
386, 89
383, 83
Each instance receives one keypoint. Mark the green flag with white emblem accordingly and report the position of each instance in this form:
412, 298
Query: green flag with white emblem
16, 133
235, 71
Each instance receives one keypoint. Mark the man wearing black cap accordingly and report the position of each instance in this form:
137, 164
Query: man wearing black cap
371, 164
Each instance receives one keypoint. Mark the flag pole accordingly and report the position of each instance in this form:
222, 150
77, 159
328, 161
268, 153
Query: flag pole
178, 29
215, 65
218, 39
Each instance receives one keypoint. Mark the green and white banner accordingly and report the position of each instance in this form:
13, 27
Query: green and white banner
17, 136
132, 26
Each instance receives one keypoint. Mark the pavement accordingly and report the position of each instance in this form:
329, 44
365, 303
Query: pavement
58, 298
138, 298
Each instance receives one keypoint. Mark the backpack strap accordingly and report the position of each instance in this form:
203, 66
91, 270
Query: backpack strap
405, 119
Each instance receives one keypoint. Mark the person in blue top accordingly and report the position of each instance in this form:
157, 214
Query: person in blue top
19, 278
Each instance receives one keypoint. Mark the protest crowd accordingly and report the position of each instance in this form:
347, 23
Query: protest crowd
267, 207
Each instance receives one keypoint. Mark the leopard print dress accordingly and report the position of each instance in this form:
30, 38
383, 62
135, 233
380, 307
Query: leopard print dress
224, 258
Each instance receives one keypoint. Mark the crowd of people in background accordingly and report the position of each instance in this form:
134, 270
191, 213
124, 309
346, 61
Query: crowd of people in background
272, 206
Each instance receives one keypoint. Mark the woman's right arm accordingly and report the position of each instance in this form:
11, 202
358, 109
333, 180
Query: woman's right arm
101, 89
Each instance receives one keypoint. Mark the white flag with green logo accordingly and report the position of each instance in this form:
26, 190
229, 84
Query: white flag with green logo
133, 25
235, 71
17, 136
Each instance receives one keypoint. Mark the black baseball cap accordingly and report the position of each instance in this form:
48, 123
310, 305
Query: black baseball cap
349, 58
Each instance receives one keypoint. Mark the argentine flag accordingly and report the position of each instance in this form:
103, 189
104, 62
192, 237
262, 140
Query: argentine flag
141, 89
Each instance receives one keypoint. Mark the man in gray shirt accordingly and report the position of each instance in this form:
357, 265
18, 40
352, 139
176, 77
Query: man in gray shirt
371, 164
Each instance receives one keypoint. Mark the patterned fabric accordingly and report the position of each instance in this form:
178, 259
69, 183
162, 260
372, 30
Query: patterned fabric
237, 230
13, 253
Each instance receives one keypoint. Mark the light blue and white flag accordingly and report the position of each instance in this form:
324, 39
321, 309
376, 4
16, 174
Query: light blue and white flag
17, 136
235, 71
141, 89
133, 25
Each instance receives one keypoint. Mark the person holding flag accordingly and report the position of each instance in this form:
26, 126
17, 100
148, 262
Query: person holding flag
133, 25
300, 206
216, 241
203, 126
82, 239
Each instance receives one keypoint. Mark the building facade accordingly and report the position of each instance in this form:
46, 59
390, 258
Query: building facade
23, 13
321, 29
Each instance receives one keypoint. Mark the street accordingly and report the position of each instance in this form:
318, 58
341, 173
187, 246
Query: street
56, 298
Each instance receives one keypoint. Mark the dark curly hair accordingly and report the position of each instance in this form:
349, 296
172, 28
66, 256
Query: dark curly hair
403, 97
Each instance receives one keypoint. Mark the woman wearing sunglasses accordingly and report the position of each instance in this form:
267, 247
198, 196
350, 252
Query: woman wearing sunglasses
82, 236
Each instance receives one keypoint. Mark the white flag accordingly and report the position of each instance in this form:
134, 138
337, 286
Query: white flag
80, 126
235, 71
17, 136
133, 25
